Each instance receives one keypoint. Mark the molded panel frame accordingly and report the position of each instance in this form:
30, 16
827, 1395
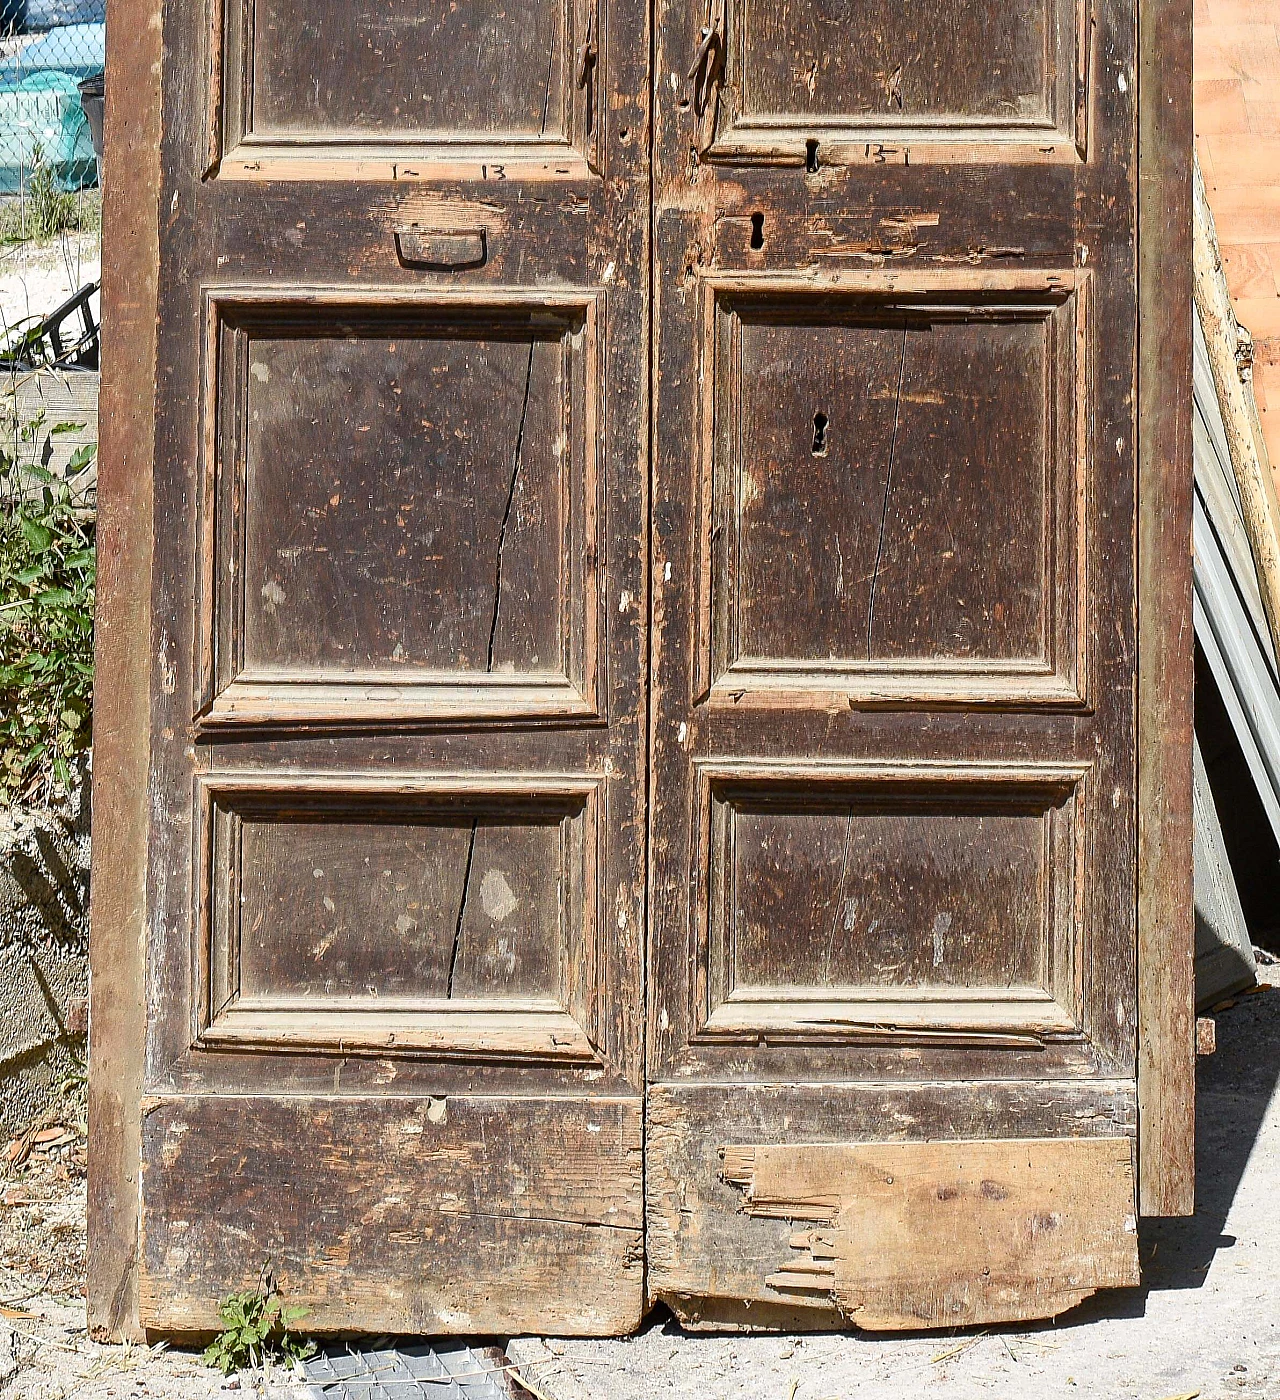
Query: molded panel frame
525, 1029
1018, 1017
236, 150
1060, 136
228, 697
1058, 681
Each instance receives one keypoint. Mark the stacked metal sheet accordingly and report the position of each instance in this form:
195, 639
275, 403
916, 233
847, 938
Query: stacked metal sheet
1231, 629
443, 1372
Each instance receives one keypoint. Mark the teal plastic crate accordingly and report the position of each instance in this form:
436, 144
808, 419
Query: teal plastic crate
44, 110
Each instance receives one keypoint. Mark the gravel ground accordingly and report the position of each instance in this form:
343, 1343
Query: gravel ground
1205, 1324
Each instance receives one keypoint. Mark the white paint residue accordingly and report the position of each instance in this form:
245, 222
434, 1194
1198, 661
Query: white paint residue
624, 600
318, 874
260, 372
272, 595
329, 904
404, 923
683, 732
496, 897
437, 1110
941, 927
1123, 82
850, 914
666, 571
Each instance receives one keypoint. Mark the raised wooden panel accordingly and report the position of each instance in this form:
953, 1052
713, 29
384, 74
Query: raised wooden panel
804, 78
401, 515
928, 897
950, 565
487, 81
453, 915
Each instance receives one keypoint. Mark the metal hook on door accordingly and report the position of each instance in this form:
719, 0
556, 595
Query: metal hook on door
706, 72
587, 57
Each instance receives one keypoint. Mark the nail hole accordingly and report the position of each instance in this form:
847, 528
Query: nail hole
820, 421
624, 135
683, 104
757, 230
811, 156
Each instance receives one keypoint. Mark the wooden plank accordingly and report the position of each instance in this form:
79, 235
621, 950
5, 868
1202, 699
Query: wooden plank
130, 260
909, 1234
397, 1214
1166, 1062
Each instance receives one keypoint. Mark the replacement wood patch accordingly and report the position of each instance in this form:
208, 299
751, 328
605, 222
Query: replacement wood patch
927, 1234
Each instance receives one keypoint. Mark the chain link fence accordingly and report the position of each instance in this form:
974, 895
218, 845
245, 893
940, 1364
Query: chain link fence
51, 65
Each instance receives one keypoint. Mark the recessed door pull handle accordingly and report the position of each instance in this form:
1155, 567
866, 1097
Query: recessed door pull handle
441, 250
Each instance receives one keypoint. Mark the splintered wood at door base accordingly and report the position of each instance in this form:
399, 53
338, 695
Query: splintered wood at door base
644, 667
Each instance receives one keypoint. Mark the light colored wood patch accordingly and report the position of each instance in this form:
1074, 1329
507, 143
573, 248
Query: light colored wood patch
926, 1234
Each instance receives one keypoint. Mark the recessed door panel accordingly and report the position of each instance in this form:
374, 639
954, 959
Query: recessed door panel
950, 558
419, 476
491, 67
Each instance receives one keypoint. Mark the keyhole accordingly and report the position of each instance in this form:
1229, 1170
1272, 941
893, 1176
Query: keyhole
811, 156
820, 421
757, 230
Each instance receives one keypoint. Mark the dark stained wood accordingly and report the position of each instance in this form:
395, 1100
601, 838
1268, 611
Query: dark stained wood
122, 683
934, 533
427, 466
409, 688
359, 1204
1166, 939
881, 64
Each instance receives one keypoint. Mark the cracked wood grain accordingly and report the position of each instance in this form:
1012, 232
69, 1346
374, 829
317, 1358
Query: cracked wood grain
506, 510
462, 907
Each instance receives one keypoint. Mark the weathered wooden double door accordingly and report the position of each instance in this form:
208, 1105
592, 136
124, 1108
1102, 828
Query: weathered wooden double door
621, 782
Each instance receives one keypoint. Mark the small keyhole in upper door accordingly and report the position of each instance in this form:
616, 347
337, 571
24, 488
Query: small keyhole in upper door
811, 156
757, 230
820, 421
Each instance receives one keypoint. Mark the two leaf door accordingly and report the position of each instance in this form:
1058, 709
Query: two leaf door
632, 660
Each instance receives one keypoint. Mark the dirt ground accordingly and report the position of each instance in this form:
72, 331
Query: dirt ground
1205, 1324
34, 278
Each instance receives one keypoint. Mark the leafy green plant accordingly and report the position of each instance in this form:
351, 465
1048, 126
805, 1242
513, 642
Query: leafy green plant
47, 577
50, 211
255, 1328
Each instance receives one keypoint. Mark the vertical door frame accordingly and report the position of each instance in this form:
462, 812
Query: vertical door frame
122, 698
1166, 976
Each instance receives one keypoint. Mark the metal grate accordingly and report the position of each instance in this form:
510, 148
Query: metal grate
403, 1373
